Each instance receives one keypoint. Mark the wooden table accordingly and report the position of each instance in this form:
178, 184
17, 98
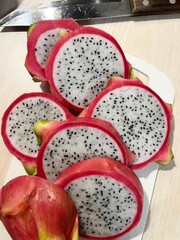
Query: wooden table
155, 39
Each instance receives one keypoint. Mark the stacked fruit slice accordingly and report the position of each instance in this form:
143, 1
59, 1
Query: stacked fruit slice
42, 36
71, 141
108, 196
18, 121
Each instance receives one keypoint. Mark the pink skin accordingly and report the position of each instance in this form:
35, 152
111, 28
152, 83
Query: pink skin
59, 45
97, 123
33, 208
164, 154
31, 63
110, 168
28, 160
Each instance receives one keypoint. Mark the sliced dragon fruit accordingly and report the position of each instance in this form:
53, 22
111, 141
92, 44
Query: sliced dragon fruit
80, 65
76, 139
41, 38
18, 121
107, 194
140, 116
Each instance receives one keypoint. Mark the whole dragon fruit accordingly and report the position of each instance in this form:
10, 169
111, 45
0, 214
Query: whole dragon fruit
33, 208
18, 121
107, 194
41, 38
81, 64
140, 116
77, 139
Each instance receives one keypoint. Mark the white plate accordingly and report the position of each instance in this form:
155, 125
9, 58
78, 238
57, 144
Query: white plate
161, 84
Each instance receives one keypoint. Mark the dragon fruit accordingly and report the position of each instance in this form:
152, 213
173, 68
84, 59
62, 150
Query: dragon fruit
76, 139
34, 208
18, 121
107, 194
81, 64
41, 38
140, 116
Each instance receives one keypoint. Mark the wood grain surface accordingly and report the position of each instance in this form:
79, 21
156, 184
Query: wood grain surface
154, 39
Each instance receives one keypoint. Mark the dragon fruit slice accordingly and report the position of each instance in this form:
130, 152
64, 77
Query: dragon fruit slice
33, 208
18, 121
139, 115
107, 194
41, 38
77, 139
81, 64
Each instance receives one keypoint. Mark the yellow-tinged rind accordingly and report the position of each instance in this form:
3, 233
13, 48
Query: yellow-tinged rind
31, 27
131, 73
75, 231
169, 159
43, 235
30, 168
40, 127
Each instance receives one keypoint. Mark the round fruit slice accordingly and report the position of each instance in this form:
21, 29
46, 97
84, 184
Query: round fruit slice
18, 121
76, 139
81, 64
41, 38
140, 116
107, 194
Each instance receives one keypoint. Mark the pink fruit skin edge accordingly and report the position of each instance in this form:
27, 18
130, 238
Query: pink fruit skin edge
106, 167
165, 151
101, 124
29, 162
61, 42
25, 196
30, 62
